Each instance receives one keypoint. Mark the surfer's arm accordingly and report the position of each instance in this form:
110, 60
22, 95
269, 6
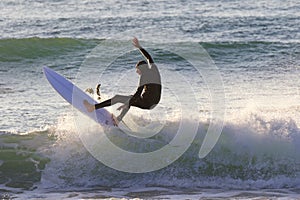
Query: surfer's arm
146, 55
136, 43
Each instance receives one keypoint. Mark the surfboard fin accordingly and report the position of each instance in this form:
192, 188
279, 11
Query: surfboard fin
98, 91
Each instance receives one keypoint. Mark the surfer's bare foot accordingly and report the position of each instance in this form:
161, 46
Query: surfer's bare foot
88, 106
115, 120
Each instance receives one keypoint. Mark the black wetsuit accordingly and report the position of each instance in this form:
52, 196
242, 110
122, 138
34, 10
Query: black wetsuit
148, 93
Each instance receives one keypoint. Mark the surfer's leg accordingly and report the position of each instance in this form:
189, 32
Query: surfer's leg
143, 104
120, 99
140, 103
103, 104
112, 101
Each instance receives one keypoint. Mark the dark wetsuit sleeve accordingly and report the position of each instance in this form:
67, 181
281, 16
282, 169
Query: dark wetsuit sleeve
146, 55
137, 95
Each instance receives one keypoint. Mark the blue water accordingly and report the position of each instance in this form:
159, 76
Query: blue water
254, 46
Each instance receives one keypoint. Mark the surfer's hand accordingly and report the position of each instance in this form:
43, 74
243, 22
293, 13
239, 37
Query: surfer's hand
122, 107
135, 42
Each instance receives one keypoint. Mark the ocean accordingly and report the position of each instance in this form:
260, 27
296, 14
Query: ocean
229, 69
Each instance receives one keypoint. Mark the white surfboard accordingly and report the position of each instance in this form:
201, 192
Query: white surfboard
75, 96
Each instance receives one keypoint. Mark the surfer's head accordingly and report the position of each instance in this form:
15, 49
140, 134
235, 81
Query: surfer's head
141, 66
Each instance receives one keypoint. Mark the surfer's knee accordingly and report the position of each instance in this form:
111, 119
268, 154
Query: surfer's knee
120, 99
116, 97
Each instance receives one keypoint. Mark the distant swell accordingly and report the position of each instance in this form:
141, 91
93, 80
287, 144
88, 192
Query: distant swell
16, 49
33, 48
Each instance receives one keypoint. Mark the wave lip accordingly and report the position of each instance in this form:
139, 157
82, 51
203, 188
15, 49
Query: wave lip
243, 158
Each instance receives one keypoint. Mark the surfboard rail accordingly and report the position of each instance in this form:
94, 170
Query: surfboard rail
75, 96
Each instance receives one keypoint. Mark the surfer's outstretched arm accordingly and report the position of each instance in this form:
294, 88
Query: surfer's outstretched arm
136, 43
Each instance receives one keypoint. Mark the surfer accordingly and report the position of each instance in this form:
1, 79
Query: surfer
148, 93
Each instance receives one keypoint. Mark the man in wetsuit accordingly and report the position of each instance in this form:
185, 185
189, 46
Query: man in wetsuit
148, 93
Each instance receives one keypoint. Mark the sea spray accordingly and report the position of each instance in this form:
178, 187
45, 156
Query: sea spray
243, 158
